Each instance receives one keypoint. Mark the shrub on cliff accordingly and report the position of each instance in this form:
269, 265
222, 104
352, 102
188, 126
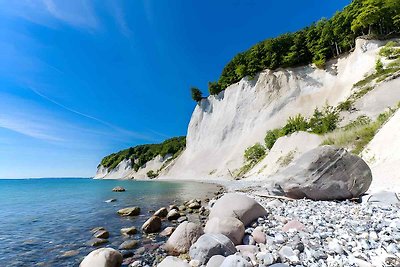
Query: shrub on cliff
271, 137
324, 121
151, 174
379, 66
197, 95
295, 124
254, 153
214, 88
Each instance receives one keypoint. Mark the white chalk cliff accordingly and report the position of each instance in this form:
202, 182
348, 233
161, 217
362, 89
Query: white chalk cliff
124, 169
223, 126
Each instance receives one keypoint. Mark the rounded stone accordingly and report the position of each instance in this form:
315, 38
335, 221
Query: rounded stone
130, 211
229, 226
129, 230
152, 225
103, 257
118, 189
209, 245
162, 212
128, 244
235, 261
239, 206
184, 236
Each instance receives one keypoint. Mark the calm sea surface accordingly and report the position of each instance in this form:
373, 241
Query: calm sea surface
41, 219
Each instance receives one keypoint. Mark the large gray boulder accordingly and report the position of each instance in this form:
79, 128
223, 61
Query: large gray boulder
103, 257
184, 236
171, 261
238, 206
209, 245
229, 226
325, 173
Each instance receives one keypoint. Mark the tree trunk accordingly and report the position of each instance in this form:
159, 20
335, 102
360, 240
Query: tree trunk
337, 49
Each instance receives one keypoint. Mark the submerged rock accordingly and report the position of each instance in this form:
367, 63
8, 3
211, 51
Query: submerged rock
130, 211
118, 189
325, 173
102, 234
110, 200
129, 230
152, 225
185, 235
96, 229
103, 257
70, 253
238, 206
95, 242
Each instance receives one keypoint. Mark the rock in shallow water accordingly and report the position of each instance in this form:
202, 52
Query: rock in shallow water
95, 242
118, 189
162, 212
103, 257
104, 234
152, 225
129, 230
173, 214
325, 173
130, 211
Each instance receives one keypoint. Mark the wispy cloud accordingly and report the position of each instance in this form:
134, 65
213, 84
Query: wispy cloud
76, 13
27, 125
118, 13
79, 14
110, 125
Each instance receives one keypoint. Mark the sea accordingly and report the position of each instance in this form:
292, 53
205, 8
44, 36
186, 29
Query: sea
47, 222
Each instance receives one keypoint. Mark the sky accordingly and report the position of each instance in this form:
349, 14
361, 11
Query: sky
81, 79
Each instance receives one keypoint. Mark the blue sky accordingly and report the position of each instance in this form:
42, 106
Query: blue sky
82, 79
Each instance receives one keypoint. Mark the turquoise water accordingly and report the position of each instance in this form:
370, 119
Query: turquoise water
40, 219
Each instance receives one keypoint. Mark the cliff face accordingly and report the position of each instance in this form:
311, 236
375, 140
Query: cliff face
223, 126
124, 169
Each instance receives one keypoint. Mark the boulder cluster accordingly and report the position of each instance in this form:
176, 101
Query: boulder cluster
300, 228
